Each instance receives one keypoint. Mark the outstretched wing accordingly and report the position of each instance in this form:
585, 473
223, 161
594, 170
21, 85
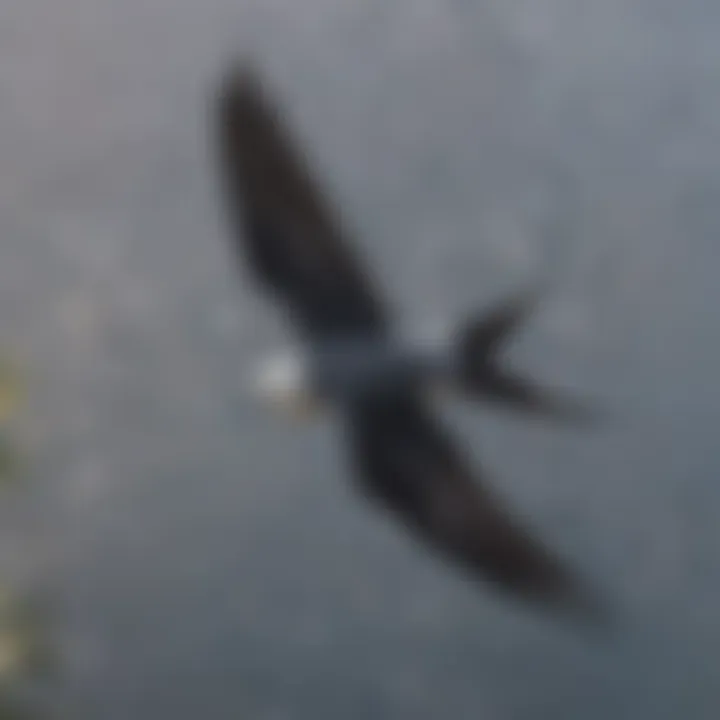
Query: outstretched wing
283, 228
409, 464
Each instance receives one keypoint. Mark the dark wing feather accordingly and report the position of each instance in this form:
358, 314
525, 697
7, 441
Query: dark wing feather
284, 229
408, 463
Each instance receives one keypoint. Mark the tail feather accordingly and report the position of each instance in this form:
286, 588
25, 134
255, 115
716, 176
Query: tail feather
483, 338
482, 374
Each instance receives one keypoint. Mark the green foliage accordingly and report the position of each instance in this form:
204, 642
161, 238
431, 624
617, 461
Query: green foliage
12, 390
12, 394
24, 651
25, 654
9, 459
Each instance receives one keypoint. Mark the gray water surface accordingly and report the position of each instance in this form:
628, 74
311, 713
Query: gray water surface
211, 560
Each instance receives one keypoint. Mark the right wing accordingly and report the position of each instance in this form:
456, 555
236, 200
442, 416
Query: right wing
409, 465
283, 228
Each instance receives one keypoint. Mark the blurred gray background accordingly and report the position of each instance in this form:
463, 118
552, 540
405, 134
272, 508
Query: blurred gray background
210, 560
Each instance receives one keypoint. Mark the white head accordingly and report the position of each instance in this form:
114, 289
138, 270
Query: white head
284, 382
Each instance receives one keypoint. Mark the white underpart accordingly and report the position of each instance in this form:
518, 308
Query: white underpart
283, 381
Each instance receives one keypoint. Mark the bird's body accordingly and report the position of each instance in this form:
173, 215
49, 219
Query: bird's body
340, 373
352, 358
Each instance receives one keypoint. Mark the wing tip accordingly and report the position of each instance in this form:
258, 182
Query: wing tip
240, 90
584, 607
242, 71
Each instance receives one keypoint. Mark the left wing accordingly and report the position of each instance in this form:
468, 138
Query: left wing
283, 227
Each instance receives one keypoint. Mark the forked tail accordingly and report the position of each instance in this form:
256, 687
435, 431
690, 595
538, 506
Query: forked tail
483, 375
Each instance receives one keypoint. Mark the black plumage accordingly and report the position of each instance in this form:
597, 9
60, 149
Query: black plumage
405, 460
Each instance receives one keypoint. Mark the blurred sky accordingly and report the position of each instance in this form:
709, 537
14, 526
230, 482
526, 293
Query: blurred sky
210, 560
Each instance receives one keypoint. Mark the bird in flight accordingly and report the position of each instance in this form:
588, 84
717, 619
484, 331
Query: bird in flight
351, 358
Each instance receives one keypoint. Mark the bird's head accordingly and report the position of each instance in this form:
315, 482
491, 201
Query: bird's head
284, 382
